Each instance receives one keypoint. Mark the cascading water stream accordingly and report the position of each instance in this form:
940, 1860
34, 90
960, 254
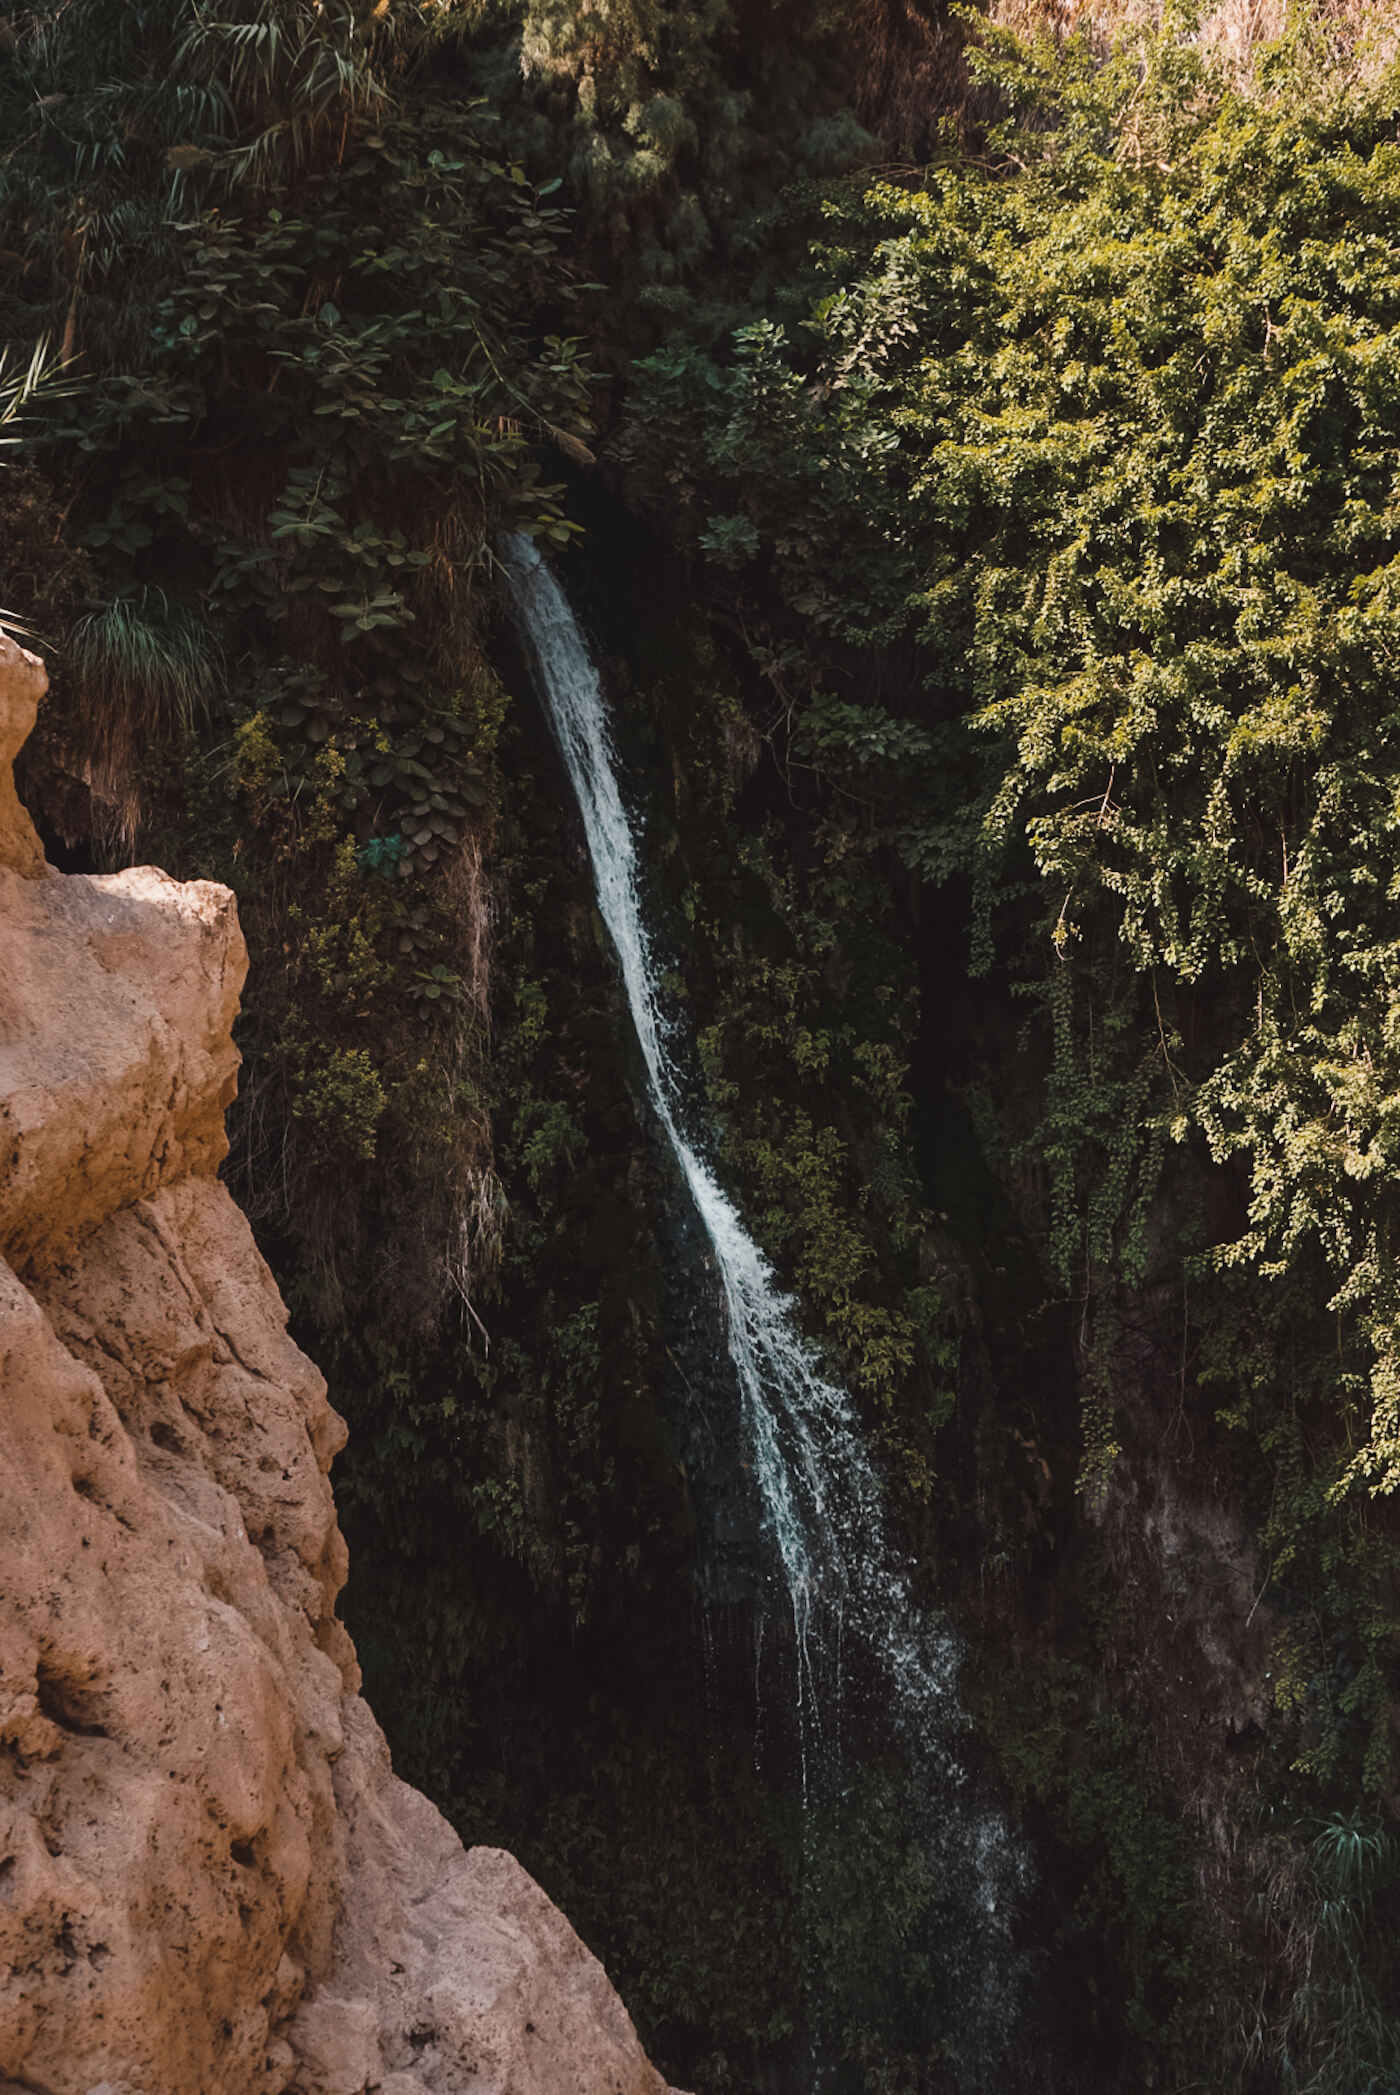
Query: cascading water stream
820, 1498
821, 1504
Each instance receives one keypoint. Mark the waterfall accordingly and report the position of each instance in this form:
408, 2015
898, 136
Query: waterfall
832, 1571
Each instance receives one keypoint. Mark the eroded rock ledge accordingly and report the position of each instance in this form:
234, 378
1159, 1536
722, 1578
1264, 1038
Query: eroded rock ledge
211, 1883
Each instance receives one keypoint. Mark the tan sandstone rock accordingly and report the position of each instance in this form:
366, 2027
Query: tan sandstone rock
23, 683
211, 1883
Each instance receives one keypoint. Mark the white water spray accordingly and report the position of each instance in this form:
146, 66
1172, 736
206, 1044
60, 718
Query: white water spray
821, 1502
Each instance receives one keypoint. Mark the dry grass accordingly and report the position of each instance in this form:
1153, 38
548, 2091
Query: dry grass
1353, 39
910, 71
468, 893
911, 74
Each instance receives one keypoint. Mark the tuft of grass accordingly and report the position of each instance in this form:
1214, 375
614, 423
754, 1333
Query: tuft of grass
148, 668
145, 660
1331, 1906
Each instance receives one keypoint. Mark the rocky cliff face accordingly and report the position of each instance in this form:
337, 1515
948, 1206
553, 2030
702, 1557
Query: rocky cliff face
210, 1881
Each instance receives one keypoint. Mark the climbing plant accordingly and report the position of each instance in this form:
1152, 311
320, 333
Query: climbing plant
1106, 435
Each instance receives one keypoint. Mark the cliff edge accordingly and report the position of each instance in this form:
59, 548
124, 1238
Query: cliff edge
211, 1883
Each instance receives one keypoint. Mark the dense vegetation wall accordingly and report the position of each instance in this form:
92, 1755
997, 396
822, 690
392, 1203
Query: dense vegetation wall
986, 481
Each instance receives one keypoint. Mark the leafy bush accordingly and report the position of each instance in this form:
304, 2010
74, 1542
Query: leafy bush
1105, 434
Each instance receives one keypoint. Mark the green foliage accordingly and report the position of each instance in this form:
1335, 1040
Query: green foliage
797, 1028
1059, 528
314, 321
682, 134
1112, 443
363, 325
143, 651
1085, 1774
1057, 525
1328, 1910
342, 1097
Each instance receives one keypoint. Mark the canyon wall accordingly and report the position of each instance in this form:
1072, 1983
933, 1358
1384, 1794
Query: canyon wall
211, 1883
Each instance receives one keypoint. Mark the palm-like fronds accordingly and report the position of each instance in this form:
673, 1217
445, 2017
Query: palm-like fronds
19, 385
285, 69
1353, 1857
